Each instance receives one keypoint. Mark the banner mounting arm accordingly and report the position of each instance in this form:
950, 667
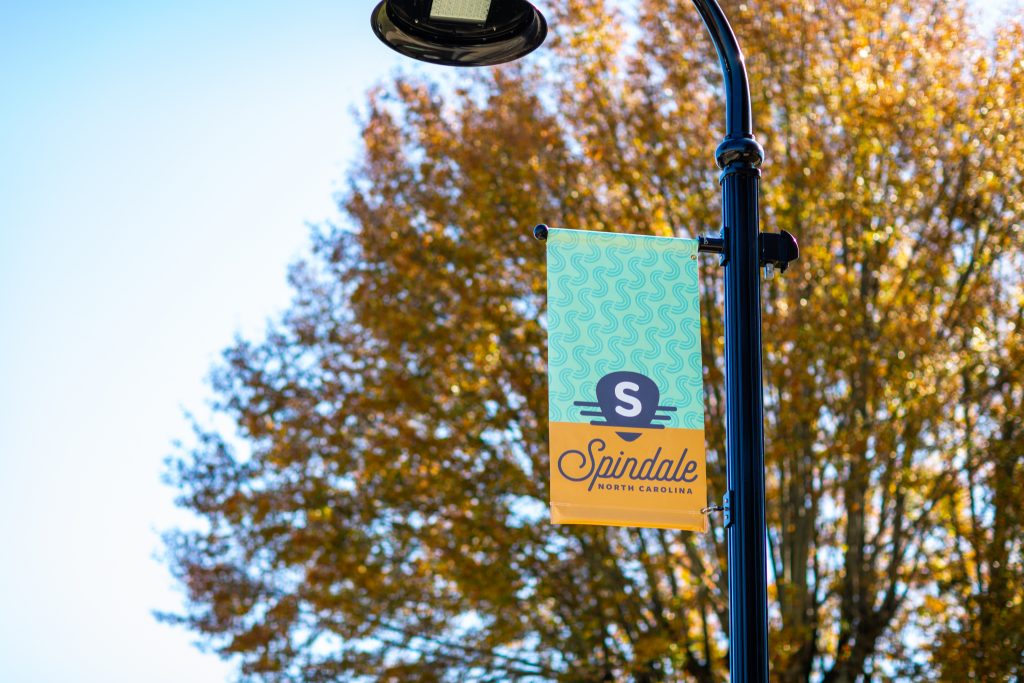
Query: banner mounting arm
777, 249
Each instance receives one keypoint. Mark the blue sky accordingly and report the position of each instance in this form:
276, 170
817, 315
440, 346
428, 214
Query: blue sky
159, 163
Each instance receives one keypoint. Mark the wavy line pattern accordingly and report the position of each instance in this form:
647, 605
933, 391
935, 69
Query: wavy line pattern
623, 302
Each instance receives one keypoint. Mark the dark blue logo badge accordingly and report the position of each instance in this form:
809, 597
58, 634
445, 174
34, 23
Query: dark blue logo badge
627, 399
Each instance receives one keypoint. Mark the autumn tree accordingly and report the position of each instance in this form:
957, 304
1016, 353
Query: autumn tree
380, 512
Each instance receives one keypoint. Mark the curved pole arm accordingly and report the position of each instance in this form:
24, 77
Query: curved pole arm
739, 133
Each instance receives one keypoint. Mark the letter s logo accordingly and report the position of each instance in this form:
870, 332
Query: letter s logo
633, 402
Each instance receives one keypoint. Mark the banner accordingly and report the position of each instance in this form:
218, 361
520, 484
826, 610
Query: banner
625, 381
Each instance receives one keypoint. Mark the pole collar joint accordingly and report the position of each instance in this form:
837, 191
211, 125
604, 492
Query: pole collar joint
739, 154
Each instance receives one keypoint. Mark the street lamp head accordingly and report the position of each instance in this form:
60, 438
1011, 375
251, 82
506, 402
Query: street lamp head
460, 32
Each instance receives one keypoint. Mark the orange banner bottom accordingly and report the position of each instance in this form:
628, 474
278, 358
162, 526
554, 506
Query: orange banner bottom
628, 477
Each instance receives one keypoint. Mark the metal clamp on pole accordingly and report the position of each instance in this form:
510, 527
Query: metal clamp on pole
710, 245
778, 250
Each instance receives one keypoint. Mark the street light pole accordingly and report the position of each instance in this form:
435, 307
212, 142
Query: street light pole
483, 32
740, 156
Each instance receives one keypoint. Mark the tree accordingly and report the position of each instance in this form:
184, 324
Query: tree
381, 513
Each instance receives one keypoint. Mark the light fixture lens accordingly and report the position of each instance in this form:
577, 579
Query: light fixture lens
460, 32
469, 11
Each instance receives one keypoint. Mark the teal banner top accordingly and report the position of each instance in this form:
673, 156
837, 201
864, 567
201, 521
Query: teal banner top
624, 303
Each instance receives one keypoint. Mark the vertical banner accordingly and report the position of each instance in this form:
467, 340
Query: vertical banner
625, 381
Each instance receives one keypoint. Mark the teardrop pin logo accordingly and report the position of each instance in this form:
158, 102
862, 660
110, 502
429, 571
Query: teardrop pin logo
627, 400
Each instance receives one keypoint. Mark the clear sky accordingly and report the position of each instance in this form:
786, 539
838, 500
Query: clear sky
159, 163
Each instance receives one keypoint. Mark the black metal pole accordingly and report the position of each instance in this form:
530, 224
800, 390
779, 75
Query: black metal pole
740, 157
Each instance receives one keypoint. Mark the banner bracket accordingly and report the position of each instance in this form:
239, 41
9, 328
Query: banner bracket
776, 250
706, 244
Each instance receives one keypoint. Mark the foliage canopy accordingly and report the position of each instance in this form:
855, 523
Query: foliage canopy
380, 514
